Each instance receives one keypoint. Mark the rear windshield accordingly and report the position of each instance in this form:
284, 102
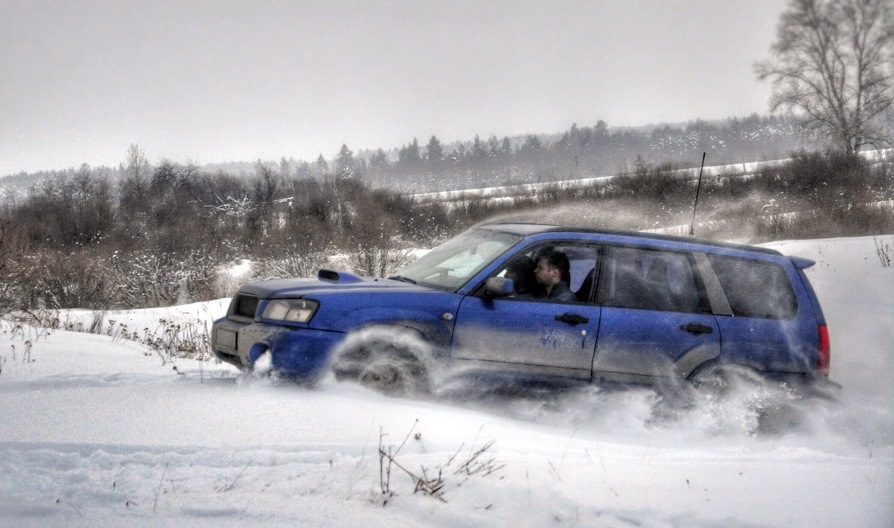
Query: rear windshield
755, 288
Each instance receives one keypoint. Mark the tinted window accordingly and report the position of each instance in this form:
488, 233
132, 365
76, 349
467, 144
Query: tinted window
649, 280
755, 288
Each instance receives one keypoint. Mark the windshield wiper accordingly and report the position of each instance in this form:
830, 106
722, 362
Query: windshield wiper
402, 279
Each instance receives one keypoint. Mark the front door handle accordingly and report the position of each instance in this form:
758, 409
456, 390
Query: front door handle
697, 328
572, 319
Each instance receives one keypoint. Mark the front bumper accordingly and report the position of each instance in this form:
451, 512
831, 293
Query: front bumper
299, 352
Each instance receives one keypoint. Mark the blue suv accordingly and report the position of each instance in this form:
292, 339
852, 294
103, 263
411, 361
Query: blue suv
540, 302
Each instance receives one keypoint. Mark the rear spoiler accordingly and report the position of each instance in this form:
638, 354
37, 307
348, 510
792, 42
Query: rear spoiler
802, 263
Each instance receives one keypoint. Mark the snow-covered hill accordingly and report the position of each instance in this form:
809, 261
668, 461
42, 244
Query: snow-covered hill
97, 431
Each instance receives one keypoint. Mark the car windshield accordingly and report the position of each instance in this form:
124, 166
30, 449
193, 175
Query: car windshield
453, 263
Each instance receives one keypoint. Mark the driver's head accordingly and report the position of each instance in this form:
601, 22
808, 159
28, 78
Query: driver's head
550, 267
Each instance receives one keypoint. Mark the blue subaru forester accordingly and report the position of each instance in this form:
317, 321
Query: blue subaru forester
632, 307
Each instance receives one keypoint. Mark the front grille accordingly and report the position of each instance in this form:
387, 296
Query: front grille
245, 306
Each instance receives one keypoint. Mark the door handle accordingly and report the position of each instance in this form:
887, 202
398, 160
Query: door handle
697, 328
572, 319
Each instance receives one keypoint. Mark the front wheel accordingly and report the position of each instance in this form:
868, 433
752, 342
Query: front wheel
390, 376
394, 362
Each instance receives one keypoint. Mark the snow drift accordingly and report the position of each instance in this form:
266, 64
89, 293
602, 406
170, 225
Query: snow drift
98, 430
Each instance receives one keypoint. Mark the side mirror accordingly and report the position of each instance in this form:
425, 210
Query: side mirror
499, 287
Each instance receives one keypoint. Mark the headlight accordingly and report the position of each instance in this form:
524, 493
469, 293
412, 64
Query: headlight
292, 310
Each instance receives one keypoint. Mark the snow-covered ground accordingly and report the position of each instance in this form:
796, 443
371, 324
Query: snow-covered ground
98, 431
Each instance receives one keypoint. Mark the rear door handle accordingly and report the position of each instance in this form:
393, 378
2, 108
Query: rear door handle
572, 319
697, 328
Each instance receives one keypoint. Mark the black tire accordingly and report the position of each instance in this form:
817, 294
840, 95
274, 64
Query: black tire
392, 362
391, 376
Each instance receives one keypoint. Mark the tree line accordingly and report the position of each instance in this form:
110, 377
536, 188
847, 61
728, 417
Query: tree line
160, 235
576, 153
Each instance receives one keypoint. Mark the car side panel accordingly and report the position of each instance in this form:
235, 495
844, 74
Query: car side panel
768, 345
780, 336
641, 344
526, 336
784, 346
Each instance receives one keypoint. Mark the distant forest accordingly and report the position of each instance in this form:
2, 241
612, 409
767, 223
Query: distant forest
579, 152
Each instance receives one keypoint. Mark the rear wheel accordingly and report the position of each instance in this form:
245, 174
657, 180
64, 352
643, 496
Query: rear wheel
748, 399
720, 379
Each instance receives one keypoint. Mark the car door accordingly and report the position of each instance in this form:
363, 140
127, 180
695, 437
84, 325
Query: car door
528, 335
655, 316
762, 329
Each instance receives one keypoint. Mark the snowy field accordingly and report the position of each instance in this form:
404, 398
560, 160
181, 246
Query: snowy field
98, 431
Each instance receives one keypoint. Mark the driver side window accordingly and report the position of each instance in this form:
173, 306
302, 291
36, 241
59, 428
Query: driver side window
579, 277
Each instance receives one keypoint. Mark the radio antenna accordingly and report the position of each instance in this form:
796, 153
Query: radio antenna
698, 188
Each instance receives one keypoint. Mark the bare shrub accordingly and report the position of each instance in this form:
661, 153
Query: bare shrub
371, 261
885, 251
432, 482
774, 226
174, 339
293, 265
11, 269
146, 279
58, 279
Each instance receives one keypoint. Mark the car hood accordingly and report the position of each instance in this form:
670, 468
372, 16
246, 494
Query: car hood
348, 302
326, 282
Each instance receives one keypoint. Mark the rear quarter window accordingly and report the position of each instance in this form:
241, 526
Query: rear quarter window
755, 288
647, 279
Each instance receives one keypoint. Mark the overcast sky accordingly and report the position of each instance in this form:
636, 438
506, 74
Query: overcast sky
219, 80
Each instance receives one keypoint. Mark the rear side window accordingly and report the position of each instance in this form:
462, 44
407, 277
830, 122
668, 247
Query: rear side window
649, 280
755, 288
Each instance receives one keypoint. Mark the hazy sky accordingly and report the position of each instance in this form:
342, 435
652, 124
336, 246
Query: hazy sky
219, 80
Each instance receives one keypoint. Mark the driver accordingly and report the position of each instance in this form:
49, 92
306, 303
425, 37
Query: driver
552, 272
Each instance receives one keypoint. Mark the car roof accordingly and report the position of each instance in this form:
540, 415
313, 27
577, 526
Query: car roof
527, 229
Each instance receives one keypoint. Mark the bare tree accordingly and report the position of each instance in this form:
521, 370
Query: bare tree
11, 251
834, 62
134, 183
137, 165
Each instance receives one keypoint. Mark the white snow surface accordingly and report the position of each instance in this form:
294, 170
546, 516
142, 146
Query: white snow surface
98, 431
